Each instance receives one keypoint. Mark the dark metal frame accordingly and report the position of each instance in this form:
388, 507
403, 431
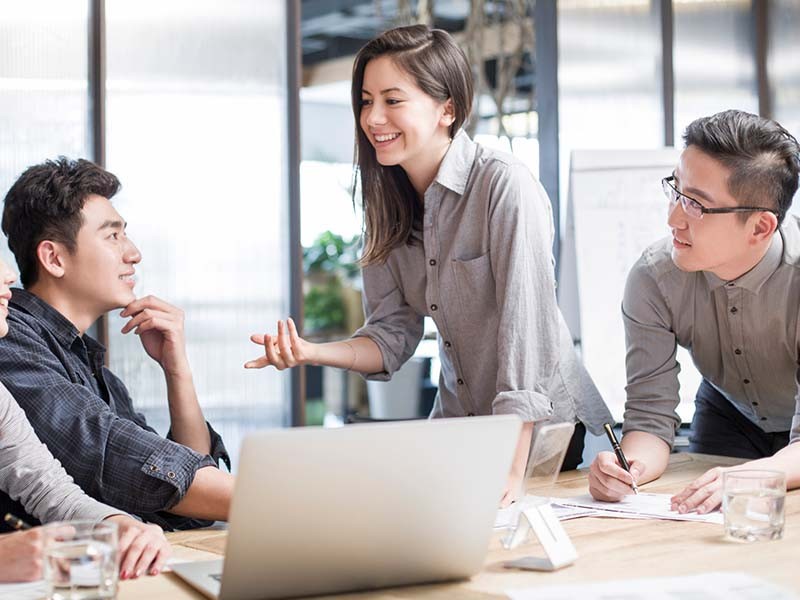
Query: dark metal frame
760, 21
667, 23
97, 110
294, 78
545, 18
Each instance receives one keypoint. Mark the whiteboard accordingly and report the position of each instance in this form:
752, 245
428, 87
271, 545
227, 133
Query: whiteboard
615, 209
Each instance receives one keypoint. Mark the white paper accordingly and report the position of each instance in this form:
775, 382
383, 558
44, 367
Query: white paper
507, 517
708, 586
35, 590
643, 505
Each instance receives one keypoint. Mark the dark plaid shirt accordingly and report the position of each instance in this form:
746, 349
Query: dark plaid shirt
84, 414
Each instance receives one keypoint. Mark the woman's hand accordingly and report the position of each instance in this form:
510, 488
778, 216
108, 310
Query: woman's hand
21, 555
143, 548
284, 350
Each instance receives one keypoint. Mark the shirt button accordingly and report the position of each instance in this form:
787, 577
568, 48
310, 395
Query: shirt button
447, 344
746, 381
171, 474
432, 262
734, 310
460, 382
434, 307
737, 351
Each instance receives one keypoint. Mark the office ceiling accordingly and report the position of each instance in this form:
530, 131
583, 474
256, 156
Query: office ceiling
335, 28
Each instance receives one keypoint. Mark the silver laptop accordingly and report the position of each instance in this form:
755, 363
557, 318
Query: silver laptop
318, 511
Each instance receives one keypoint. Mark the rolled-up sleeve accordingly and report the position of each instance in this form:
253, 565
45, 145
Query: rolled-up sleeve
651, 364
521, 230
390, 322
115, 460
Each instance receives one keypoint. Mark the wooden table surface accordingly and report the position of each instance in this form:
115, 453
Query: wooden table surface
607, 549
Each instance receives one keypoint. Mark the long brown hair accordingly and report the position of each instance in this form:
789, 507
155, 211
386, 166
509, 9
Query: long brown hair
392, 212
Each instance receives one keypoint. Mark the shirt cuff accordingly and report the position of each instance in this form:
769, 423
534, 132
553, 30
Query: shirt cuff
175, 465
530, 406
218, 451
388, 357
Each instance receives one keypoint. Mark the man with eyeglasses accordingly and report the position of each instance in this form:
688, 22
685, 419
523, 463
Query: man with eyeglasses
725, 286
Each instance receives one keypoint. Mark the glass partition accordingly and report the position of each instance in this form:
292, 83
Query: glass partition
713, 59
44, 90
196, 128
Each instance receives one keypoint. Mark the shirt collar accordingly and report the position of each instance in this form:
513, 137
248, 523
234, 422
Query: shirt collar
758, 275
62, 328
457, 163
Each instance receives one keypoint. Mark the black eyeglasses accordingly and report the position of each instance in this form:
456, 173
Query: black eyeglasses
696, 210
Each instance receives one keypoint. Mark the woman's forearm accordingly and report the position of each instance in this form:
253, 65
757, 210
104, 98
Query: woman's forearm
359, 354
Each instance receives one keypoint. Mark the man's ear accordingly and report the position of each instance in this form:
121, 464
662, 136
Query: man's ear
764, 226
51, 257
449, 114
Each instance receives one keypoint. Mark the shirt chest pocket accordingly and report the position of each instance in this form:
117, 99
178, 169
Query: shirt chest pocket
475, 289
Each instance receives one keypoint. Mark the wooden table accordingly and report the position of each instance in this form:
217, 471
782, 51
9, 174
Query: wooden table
607, 549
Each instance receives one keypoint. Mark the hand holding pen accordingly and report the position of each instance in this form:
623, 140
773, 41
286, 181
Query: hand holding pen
612, 476
623, 462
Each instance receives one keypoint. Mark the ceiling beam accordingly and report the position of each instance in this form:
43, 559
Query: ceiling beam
498, 39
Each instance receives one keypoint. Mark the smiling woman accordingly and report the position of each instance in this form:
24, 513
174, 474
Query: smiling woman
459, 233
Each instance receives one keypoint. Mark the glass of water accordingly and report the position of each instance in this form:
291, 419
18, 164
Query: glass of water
81, 561
752, 504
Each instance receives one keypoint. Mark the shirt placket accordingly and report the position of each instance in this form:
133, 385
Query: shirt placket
736, 325
434, 293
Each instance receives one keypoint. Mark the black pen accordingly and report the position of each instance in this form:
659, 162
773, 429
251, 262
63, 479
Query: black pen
15, 522
620, 456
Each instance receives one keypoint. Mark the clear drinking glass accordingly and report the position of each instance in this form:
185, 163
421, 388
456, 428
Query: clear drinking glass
81, 561
752, 503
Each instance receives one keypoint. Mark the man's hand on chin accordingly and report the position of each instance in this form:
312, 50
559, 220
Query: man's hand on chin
159, 326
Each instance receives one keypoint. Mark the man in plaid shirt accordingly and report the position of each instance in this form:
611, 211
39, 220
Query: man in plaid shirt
76, 263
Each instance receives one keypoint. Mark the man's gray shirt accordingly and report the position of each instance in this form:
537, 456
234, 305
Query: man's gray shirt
742, 335
484, 272
30, 475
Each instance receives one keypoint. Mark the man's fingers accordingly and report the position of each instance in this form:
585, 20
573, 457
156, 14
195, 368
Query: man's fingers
147, 315
257, 338
710, 503
156, 323
607, 480
705, 479
693, 501
149, 302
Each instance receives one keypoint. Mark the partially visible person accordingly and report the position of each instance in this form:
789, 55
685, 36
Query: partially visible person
725, 286
76, 263
29, 474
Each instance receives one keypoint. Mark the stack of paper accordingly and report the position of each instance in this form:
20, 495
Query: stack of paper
641, 506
